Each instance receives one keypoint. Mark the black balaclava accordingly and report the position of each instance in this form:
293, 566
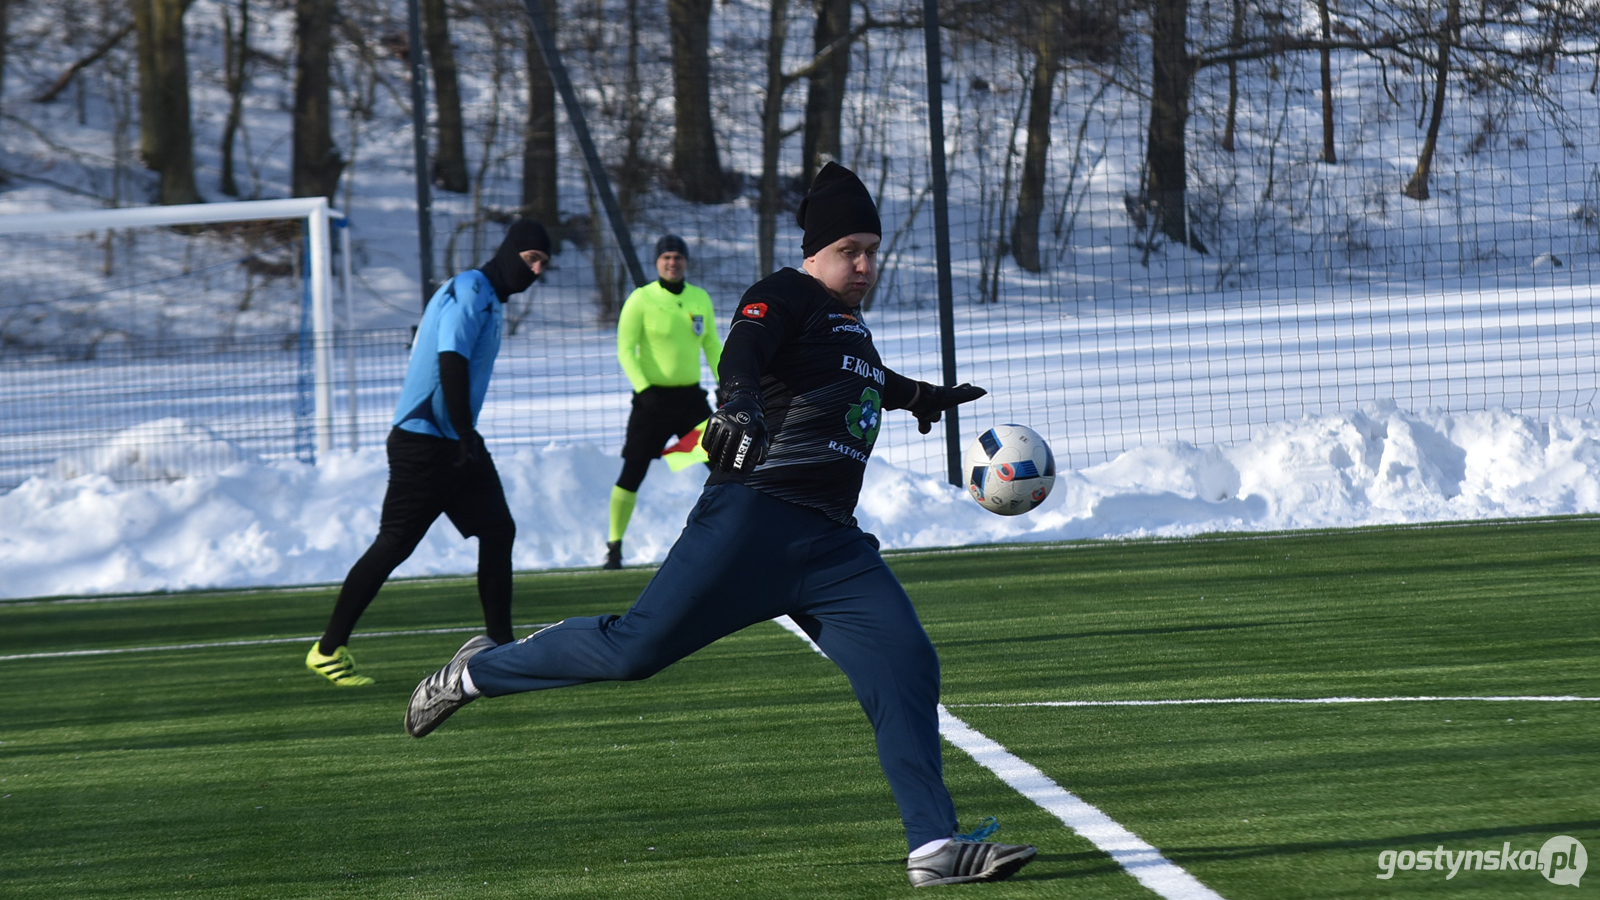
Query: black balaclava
507, 273
671, 243
837, 205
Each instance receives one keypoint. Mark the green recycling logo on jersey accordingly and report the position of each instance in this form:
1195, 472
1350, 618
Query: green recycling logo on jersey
865, 416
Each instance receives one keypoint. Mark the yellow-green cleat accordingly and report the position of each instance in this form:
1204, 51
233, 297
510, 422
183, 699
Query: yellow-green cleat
338, 667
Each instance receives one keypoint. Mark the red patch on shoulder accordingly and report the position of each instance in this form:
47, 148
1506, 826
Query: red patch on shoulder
754, 311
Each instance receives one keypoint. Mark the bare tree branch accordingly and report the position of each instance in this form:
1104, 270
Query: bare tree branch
65, 78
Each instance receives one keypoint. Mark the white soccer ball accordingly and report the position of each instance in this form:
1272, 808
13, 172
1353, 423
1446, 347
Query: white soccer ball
1009, 469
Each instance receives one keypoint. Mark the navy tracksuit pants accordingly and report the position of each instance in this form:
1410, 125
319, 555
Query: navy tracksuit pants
746, 557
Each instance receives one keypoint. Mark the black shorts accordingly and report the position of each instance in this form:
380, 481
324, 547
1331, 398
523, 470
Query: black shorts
662, 413
424, 481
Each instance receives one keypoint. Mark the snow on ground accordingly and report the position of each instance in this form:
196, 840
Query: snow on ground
283, 522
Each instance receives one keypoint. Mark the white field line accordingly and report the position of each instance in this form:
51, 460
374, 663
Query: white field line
1144, 862
157, 648
1222, 701
1137, 857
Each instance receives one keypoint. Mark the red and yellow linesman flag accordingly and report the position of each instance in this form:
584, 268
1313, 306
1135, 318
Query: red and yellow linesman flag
687, 451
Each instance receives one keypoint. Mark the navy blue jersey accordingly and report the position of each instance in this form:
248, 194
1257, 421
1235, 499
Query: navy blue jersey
823, 385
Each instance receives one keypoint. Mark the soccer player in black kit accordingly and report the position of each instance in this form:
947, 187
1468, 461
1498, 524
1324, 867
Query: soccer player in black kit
803, 391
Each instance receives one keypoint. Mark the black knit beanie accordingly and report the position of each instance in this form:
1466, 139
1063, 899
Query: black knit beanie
836, 206
506, 271
671, 243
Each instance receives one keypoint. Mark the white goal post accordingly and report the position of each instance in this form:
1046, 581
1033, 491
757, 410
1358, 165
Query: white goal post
317, 215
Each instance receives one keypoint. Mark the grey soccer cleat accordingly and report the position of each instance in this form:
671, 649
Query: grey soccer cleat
963, 860
613, 555
441, 694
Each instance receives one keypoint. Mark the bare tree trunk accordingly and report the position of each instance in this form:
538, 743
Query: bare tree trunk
771, 139
5, 34
1328, 154
696, 166
166, 138
1417, 187
603, 258
540, 198
177, 152
1172, 69
634, 178
316, 163
822, 139
1236, 37
150, 133
235, 56
1041, 102
989, 283
450, 160
122, 104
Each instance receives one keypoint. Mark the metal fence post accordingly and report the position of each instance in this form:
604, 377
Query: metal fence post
349, 330
419, 145
941, 228
320, 252
305, 447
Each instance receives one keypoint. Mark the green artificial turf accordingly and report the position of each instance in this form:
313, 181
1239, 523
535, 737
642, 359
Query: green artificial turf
748, 771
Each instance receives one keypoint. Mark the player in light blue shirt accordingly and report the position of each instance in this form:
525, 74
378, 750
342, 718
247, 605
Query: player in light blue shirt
437, 460
463, 317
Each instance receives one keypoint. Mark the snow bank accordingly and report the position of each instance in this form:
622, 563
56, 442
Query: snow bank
281, 523
166, 449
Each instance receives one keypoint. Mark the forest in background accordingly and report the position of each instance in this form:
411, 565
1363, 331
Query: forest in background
1210, 146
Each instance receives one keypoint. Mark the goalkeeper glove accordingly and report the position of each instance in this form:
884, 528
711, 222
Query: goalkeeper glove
932, 400
736, 436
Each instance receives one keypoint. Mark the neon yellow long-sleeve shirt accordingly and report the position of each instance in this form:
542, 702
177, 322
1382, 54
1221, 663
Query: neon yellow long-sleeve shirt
660, 336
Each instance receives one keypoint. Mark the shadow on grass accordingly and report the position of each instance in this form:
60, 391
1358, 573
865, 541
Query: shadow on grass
1044, 867
1093, 863
1248, 851
1064, 866
1123, 632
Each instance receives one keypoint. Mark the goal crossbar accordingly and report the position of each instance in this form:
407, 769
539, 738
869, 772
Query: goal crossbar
186, 214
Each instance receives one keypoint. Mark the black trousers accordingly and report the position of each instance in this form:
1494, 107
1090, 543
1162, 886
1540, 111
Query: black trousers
425, 482
745, 557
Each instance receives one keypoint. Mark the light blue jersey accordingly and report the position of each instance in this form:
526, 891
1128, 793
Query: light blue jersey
464, 316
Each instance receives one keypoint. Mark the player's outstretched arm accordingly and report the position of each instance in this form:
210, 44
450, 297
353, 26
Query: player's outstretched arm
931, 400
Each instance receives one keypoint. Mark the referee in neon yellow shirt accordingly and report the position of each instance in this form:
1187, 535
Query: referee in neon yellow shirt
663, 329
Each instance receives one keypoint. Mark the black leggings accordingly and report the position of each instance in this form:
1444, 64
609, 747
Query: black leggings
633, 472
423, 483
387, 553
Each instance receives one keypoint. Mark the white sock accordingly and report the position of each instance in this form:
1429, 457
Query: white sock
467, 687
930, 847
